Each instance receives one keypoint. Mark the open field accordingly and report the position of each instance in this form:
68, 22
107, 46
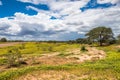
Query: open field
61, 61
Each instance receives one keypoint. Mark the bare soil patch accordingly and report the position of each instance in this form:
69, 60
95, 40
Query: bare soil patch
51, 75
72, 56
91, 54
53, 59
9, 44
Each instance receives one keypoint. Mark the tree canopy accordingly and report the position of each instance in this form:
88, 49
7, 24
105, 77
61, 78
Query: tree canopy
3, 40
100, 34
118, 37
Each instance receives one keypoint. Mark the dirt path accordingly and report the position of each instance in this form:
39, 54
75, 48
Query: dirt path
92, 54
9, 44
70, 56
118, 46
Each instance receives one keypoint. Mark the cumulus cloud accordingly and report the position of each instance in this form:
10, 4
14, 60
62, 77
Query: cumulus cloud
108, 1
69, 23
35, 1
23, 25
0, 2
46, 1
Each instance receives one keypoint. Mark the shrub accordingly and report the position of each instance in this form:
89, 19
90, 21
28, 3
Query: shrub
50, 48
118, 50
22, 46
83, 48
14, 57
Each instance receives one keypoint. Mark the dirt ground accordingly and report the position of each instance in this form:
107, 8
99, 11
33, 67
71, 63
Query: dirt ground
9, 44
71, 56
52, 75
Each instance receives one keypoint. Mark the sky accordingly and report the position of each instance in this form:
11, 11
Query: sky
56, 19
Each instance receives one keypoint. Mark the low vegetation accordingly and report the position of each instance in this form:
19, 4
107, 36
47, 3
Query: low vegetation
107, 68
83, 48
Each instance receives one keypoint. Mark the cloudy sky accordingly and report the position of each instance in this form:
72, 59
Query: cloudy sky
56, 19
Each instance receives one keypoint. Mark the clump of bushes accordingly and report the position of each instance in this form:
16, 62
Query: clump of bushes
22, 46
83, 48
118, 50
14, 58
38, 46
50, 48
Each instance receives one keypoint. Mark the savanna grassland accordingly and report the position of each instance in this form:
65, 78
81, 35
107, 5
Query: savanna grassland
59, 61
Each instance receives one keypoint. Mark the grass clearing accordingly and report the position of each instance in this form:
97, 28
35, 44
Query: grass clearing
107, 68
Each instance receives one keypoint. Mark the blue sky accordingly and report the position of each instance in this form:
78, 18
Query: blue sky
56, 19
9, 8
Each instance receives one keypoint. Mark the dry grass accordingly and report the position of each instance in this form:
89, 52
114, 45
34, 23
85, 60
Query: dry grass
69, 75
51, 75
70, 56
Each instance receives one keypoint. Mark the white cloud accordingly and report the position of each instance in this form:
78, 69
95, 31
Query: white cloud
108, 1
63, 6
0, 2
37, 26
46, 1
28, 1
70, 21
9, 27
60, 7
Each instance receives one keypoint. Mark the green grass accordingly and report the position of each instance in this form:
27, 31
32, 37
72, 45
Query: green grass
98, 68
12, 74
39, 48
3, 61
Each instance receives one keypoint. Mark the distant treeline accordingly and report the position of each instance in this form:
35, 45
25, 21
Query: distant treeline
79, 40
100, 35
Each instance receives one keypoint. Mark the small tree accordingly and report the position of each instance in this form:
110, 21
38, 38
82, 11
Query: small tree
14, 57
3, 40
118, 38
10, 58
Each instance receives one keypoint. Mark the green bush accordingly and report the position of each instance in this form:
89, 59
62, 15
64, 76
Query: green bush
118, 50
22, 46
50, 48
83, 48
14, 57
